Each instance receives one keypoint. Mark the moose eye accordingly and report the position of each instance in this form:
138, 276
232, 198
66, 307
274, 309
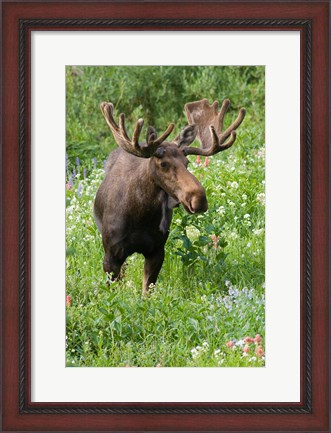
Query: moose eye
164, 164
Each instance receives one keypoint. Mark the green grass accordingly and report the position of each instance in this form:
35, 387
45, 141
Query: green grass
210, 292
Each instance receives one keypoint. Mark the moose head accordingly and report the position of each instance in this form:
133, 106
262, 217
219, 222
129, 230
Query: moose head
145, 181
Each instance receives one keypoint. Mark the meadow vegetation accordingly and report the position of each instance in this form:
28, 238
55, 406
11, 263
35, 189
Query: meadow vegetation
208, 306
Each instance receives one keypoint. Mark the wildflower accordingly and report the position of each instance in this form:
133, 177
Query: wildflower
198, 160
192, 232
84, 173
205, 344
233, 235
77, 161
261, 152
230, 343
68, 301
217, 351
69, 184
74, 173
221, 210
259, 351
215, 240
240, 343
231, 203
233, 291
257, 338
247, 216
261, 198
206, 161
79, 190
158, 365
246, 349
248, 340
234, 185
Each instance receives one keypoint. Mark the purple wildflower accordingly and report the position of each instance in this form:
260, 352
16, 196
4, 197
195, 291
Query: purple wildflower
95, 162
77, 161
84, 173
80, 190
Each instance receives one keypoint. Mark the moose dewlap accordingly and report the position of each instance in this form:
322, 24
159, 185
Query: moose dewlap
144, 181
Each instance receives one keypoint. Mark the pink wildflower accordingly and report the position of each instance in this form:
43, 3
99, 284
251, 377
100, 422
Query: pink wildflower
230, 343
198, 160
206, 162
257, 338
248, 340
68, 186
68, 301
246, 349
215, 240
259, 351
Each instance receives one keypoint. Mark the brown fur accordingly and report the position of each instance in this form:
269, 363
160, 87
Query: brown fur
133, 206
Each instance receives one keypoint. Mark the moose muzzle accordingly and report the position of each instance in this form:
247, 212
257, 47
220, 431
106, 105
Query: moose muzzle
195, 201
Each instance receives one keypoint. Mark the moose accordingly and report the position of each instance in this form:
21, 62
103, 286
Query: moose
144, 181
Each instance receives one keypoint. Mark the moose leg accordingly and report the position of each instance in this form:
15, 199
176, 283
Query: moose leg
112, 263
153, 264
112, 266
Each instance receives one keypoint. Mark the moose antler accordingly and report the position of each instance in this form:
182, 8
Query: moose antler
210, 125
143, 150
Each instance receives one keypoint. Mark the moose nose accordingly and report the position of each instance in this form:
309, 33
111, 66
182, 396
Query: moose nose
198, 202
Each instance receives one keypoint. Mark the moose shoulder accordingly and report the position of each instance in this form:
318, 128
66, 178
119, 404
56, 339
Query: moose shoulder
144, 181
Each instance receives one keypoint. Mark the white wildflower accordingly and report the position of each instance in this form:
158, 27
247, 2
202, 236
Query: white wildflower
261, 198
221, 210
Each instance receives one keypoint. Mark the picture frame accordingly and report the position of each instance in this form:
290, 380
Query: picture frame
22, 18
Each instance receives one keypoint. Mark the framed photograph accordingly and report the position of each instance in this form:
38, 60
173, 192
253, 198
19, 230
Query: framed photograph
151, 281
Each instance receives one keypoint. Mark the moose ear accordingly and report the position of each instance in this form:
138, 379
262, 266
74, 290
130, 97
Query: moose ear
186, 136
159, 152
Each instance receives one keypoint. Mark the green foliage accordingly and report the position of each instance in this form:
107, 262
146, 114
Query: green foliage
210, 291
155, 93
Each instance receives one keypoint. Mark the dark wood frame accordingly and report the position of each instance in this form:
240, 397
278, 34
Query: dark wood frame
311, 18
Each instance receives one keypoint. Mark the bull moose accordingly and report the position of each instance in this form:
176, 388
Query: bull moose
144, 181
